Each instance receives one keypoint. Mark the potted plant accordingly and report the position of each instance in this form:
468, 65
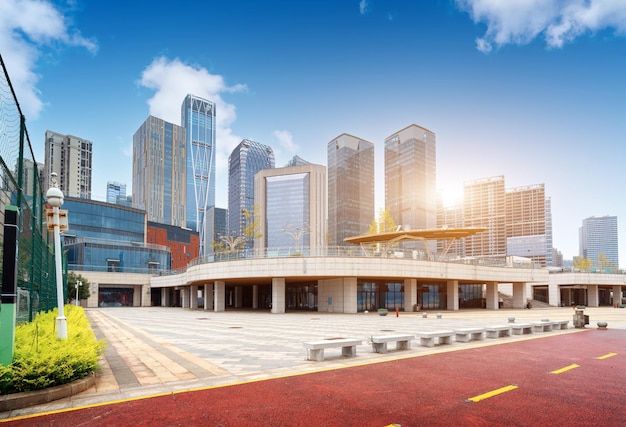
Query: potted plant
382, 311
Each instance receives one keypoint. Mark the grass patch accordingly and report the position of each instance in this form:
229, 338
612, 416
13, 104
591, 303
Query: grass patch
41, 360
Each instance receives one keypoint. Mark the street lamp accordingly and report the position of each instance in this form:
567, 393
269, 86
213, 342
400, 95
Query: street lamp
78, 285
55, 199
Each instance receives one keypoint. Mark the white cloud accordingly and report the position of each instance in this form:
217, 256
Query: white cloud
26, 27
557, 21
286, 146
363, 7
172, 80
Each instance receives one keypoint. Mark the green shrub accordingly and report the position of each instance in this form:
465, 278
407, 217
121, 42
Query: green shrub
41, 360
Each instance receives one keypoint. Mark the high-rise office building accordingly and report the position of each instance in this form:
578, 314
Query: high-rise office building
216, 226
116, 192
484, 206
450, 216
71, 158
291, 207
410, 177
599, 242
198, 119
350, 188
526, 226
159, 171
248, 158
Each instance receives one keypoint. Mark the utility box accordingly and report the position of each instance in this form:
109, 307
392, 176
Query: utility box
580, 319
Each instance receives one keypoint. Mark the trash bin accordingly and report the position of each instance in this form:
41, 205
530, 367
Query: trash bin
580, 319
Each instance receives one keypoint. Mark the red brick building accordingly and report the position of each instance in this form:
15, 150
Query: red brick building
183, 242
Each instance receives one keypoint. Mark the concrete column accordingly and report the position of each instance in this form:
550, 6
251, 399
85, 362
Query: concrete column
278, 295
255, 296
219, 304
238, 297
593, 298
193, 297
349, 295
208, 296
184, 297
617, 295
164, 297
492, 296
452, 287
410, 294
519, 295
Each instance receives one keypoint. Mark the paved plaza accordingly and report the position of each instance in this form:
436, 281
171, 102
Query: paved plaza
160, 350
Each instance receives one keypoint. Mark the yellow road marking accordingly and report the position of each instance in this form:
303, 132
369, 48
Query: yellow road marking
492, 393
606, 356
567, 368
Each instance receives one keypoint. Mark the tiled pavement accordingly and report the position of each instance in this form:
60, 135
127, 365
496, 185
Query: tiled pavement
159, 350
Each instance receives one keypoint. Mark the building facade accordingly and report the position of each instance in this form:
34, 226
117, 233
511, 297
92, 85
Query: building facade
159, 171
183, 243
450, 217
116, 192
351, 204
528, 232
484, 204
291, 208
410, 177
599, 242
71, 157
216, 226
248, 158
198, 120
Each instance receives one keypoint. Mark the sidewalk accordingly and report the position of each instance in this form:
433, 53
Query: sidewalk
158, 350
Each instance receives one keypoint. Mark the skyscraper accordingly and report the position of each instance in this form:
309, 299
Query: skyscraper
350, 187
198, 119
484, 206
292, 207
410, 177
598, 241
116, 191
527, 229
248, 158
71, 158
159, 171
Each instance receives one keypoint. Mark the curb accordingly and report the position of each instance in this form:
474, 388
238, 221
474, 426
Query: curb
13, 401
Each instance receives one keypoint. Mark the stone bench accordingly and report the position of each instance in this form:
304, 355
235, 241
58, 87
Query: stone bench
542, 326
521, 328
403, 342
498, 331
315, 349
427, 339
468, 334
560, 324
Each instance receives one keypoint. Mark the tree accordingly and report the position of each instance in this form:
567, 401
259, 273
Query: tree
582, 263
382, 223
83, 289
251, 228
604, 262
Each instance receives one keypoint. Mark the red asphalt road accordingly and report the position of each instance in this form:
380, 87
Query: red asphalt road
428, 390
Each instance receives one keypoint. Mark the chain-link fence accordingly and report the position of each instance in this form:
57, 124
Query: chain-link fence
21, 186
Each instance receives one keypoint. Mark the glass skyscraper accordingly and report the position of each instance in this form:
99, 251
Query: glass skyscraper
410, 177
598, 239
350, 188
198, 119
248, 158
159, 171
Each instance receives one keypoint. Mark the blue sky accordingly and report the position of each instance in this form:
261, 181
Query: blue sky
530, 89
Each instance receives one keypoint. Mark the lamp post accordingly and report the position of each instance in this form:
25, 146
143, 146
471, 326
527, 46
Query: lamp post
78, 285
55, 199
296, 233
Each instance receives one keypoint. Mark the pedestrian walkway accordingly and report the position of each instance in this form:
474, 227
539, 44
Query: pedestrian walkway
160, 350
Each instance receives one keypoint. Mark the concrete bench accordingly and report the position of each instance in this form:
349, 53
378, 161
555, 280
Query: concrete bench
542, 326
521, 328
498, 331
468, 334
315, 349
403, 342
560, 324
427, 339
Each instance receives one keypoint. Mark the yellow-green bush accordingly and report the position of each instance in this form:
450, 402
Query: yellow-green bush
41, 360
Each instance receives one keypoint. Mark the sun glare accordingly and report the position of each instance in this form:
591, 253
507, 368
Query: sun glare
451, 195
